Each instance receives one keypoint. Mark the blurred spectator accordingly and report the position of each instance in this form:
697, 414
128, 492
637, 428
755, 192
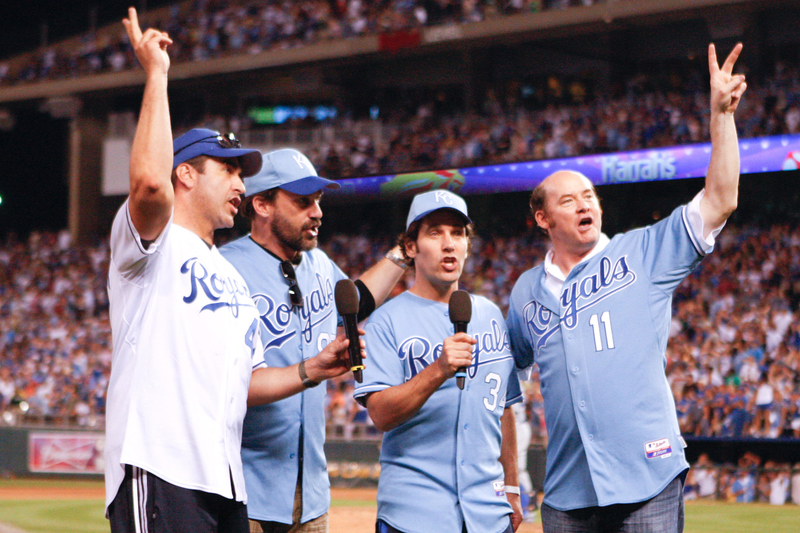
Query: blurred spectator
207, 29
705, 477
779, 481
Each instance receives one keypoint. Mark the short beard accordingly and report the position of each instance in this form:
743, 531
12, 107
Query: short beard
291, 238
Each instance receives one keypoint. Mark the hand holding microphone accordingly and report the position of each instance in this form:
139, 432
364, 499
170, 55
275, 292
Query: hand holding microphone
346, 296
460, 315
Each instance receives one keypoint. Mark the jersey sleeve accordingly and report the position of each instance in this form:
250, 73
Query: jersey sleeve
257, 345
128, 254
670, 250
697, 225
521, 347
513, 389
383, 368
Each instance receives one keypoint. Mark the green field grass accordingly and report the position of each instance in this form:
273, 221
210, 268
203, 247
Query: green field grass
86, 516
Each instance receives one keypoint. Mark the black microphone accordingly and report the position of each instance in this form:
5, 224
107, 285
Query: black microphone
460, 315
346, 296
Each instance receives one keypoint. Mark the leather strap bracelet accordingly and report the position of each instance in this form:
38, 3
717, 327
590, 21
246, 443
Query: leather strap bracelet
307, 381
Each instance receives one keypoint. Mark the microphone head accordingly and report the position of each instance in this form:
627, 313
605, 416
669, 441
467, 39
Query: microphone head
460, 307
346, 295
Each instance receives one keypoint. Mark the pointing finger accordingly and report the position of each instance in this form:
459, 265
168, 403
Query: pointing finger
132, 26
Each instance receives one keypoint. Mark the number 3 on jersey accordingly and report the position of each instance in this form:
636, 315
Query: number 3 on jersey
595, 322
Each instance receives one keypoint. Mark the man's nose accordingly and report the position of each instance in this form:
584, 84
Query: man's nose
316, 211
238, 184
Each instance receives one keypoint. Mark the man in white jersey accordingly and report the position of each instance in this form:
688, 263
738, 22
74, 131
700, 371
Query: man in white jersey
449, 456
187, 356
595, 316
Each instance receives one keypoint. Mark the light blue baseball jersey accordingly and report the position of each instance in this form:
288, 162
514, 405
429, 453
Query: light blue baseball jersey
440, 468
271, 434
611, 419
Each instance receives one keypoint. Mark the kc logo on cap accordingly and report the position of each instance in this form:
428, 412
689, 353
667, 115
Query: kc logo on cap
289, 170
428, 202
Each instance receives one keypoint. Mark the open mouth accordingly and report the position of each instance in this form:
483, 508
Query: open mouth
235, 202
585, 222
450, 263
313, 230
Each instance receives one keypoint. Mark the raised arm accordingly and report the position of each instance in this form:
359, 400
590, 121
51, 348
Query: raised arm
151, 197
381, 278
722, 181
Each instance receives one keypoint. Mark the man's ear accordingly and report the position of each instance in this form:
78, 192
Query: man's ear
187, 175
411, 249
541, 219
262, 206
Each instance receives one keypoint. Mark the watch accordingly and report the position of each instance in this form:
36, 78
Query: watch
396, 259
307, 381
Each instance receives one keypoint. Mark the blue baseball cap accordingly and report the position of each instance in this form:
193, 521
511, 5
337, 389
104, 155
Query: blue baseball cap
201, 141
426, 203
291, 171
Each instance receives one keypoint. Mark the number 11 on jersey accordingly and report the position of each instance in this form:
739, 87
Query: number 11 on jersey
605, 318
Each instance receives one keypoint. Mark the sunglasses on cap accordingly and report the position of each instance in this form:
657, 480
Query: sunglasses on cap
226, 140
295, 296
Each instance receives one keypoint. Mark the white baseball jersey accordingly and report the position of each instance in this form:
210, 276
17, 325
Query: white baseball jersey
440, 469
184, 332
600, 347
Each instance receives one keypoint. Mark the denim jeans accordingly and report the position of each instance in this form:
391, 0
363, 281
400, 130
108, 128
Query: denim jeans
662, 514
383, 527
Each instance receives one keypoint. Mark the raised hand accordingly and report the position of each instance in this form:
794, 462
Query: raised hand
726, 88
150, 47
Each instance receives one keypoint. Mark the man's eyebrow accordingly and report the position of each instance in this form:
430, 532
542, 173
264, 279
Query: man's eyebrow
569, 194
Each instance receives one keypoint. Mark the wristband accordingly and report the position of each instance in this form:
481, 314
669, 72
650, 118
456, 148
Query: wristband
307, 381
511, 489
396, 259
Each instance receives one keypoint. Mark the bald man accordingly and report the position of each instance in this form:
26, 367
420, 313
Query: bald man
595, 317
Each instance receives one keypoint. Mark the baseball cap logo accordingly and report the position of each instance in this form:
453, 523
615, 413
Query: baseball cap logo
444, 196
300, 160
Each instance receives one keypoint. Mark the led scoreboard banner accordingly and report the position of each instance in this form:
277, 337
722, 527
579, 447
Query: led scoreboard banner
764, 154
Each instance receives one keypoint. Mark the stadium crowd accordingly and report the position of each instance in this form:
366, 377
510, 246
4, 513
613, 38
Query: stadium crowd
733, 356
55, 337
549, 118
207, 29
734, 352
561, 119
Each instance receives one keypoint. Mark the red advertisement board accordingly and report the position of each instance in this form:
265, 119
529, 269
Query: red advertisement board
66, 453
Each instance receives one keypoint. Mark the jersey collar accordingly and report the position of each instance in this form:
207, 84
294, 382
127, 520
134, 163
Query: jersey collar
296, 261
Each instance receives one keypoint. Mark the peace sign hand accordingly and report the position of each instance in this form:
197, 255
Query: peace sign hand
150, 47
726, 88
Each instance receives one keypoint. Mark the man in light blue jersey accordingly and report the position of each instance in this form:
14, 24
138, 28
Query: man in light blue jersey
292, 283
595, 318
448, 459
